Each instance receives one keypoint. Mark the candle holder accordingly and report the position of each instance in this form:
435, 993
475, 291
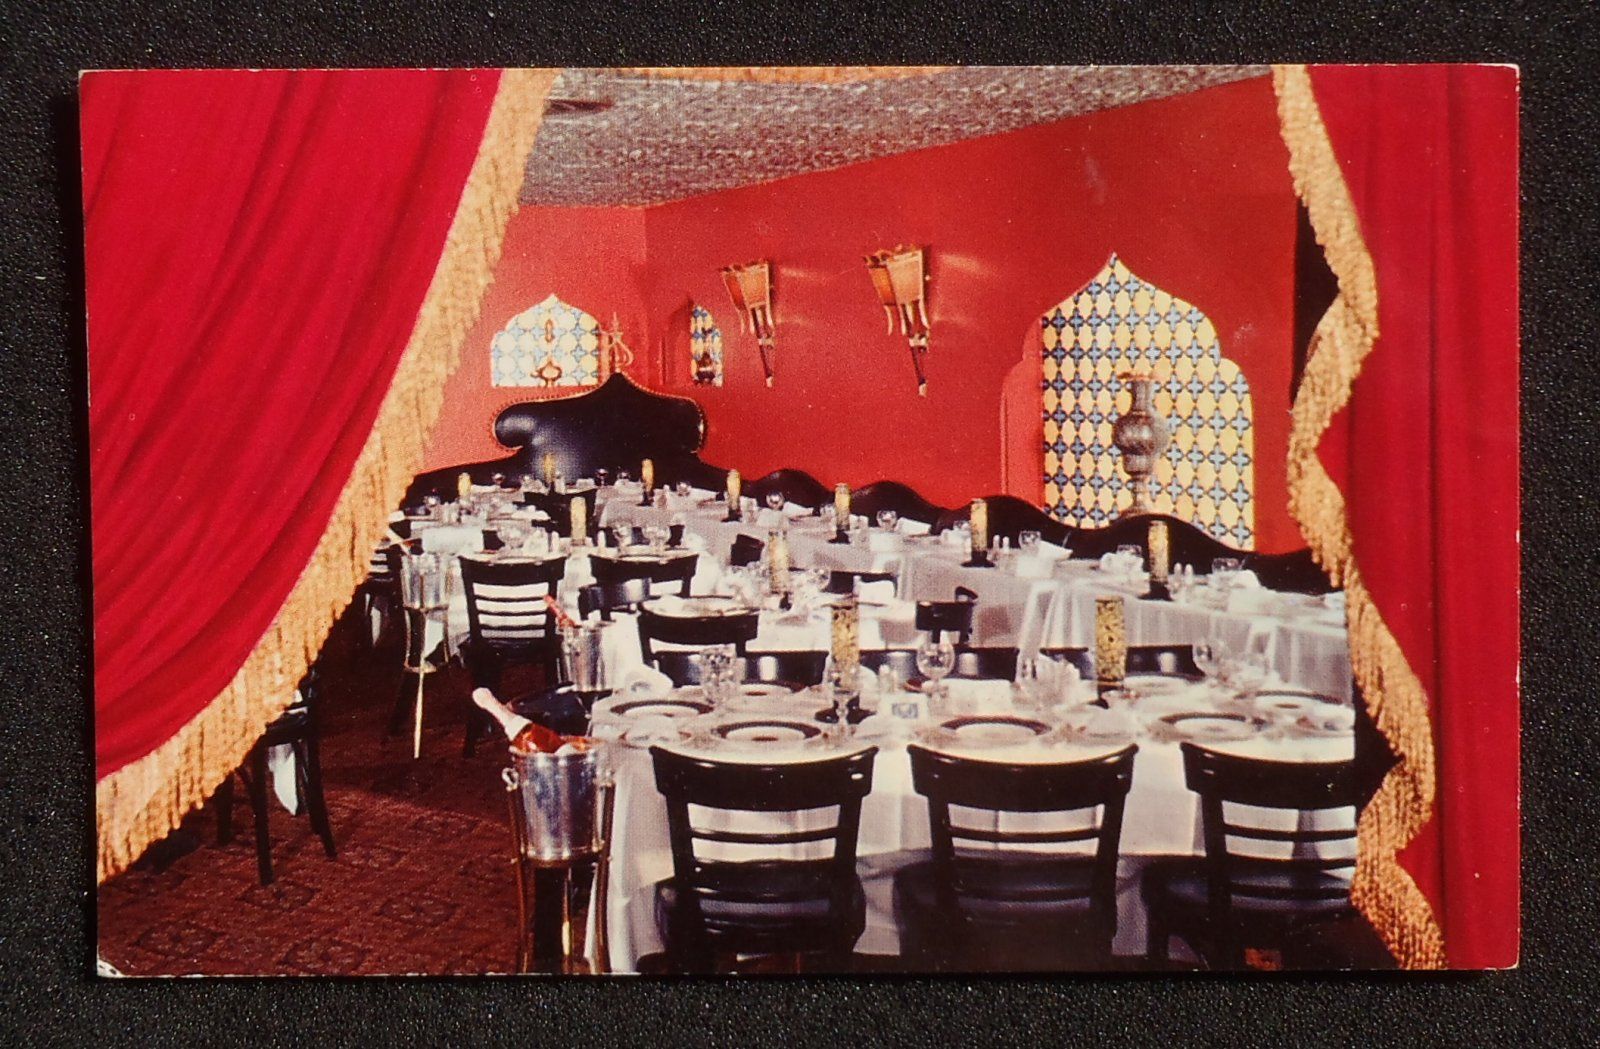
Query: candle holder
841, 534
979, 559
648, 498
733, 512
1158, 544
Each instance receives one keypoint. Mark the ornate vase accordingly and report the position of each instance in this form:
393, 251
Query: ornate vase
1141, 436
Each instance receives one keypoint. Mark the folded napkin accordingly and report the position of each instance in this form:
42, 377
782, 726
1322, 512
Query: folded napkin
879, 591
646, 680
1252, 601
909, 527
1245, 579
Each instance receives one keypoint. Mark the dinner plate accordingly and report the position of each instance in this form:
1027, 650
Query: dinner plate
1209, 726
766, 690
663, 708
652, 731
696, 607
1157, 684
766, 730
994, 729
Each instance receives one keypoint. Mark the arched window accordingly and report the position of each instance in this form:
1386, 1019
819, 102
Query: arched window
1115, 324
551, 344
705, 347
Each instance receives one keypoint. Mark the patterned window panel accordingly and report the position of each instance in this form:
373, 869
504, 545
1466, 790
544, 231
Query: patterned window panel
705, 347
551, 344
1120, 323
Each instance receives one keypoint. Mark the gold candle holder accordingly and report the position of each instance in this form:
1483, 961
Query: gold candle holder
1160, 558
1110, 641
846, 641
979, 522
647, 475
579, 517
778, 562
463, 484
548, 468
841, 513
733, 495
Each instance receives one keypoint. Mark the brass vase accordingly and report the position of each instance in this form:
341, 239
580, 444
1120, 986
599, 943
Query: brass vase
1141, 436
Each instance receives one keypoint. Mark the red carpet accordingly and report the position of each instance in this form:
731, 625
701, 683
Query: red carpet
423, 881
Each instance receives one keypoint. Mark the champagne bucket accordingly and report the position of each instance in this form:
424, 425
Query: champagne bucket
583, 663
559, 804
422, 582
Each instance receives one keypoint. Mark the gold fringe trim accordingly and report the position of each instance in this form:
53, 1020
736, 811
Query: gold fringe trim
782, 74
142, 802
1347, 333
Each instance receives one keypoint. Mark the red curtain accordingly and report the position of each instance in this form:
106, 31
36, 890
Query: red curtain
258, 245
1427, 452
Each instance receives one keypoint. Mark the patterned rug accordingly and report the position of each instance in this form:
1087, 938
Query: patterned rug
423, 881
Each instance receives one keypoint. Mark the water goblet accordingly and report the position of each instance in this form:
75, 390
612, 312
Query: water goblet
656, 536
888, 520
775, 501
936, 659
1028, 541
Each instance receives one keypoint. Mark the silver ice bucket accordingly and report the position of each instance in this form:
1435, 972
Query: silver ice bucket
583, 664
560, 804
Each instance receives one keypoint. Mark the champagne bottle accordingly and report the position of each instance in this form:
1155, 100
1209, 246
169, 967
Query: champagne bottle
563, 618
523, 734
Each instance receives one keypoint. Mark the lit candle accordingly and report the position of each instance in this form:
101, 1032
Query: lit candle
980, 527
841, 504
733, 491
549, 468
778, 562
463, 484
647, 474
1110, 640
580, 520
846, 640
1158, 551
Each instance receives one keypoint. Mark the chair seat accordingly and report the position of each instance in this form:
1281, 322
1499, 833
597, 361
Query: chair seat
763, 907
1014, 912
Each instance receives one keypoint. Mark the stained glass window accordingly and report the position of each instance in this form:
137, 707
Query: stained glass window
705, 347
551, 344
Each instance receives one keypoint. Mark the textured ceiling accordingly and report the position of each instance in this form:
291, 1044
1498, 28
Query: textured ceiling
665, 138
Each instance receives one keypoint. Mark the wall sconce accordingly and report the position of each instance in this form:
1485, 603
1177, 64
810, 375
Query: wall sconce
901, 283
750, 286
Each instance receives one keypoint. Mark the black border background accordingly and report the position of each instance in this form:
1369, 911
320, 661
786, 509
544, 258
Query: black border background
46, 835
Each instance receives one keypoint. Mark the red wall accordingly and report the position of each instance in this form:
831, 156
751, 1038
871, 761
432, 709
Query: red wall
1193, 192
589, 257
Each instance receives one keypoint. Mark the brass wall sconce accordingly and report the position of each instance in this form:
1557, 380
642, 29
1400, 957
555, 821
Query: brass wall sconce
901, 282
750, 286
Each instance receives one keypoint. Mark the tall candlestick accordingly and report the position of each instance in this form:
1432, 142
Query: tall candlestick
979, 523
841, 503
549, 468
1159, 553
1110, 641
647, 474
463, 484
846, 641
580, 520
733, 495
778, 561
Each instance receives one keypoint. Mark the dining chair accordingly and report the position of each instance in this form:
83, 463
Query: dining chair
508, 623
1235, 905
990, 898
377, 599
625, 596
948, 617
1142, 659
844, 581
804, 667
715, 909
298, 728
746, 550
696, 631
971, 663
674, 568
558, 507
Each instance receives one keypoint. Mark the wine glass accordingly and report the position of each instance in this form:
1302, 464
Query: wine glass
656, 536
1028, 541
888, 520
936, 659
775, 501
1223, 569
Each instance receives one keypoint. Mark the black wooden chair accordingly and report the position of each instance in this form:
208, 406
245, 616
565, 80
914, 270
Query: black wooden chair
678, 568
1296, 571
712, 911
802, 668
1233, 903
625, 596
508, 624
746, 550
1002, 908
842, 581
558, 507
377, 598
696, 631
994, 664
298, 728
796, 486
892, 495
948, 617
1010, 517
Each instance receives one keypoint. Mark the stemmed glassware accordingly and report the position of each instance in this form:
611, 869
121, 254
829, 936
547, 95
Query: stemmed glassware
1028, 541
936, 659
775, 501
656, 536
888, 520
